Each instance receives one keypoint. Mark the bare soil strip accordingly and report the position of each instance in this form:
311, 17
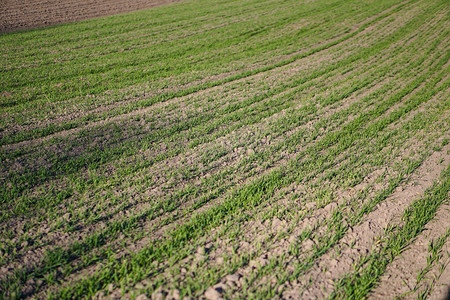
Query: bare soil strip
153, 231
262, 231
441, 289
258, 187
25, 14
327, 267
400, 278
363, 238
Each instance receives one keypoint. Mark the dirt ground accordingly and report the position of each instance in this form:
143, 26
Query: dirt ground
24, 14
267, 238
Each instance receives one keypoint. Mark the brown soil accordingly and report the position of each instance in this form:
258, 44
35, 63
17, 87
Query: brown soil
273, 234
400, 277
364, 237
24, 14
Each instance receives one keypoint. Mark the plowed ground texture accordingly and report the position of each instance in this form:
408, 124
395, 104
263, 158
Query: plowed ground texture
23, 14
229, 149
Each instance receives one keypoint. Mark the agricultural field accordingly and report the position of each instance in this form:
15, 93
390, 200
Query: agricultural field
24, 14
238, 149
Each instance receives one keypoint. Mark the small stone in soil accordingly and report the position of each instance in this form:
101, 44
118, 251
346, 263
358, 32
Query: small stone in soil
214, 293
220, 260
233, 277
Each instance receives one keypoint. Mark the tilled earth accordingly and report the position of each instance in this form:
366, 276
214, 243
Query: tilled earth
24, 14
318, 172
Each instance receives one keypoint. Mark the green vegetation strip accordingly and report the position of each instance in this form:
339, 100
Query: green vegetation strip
398, 237
140, 264
119, 227
99, 83
339, 149
424, 286
337, 224
97, 157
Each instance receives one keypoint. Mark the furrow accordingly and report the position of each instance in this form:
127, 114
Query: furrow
283, 63
402, 275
